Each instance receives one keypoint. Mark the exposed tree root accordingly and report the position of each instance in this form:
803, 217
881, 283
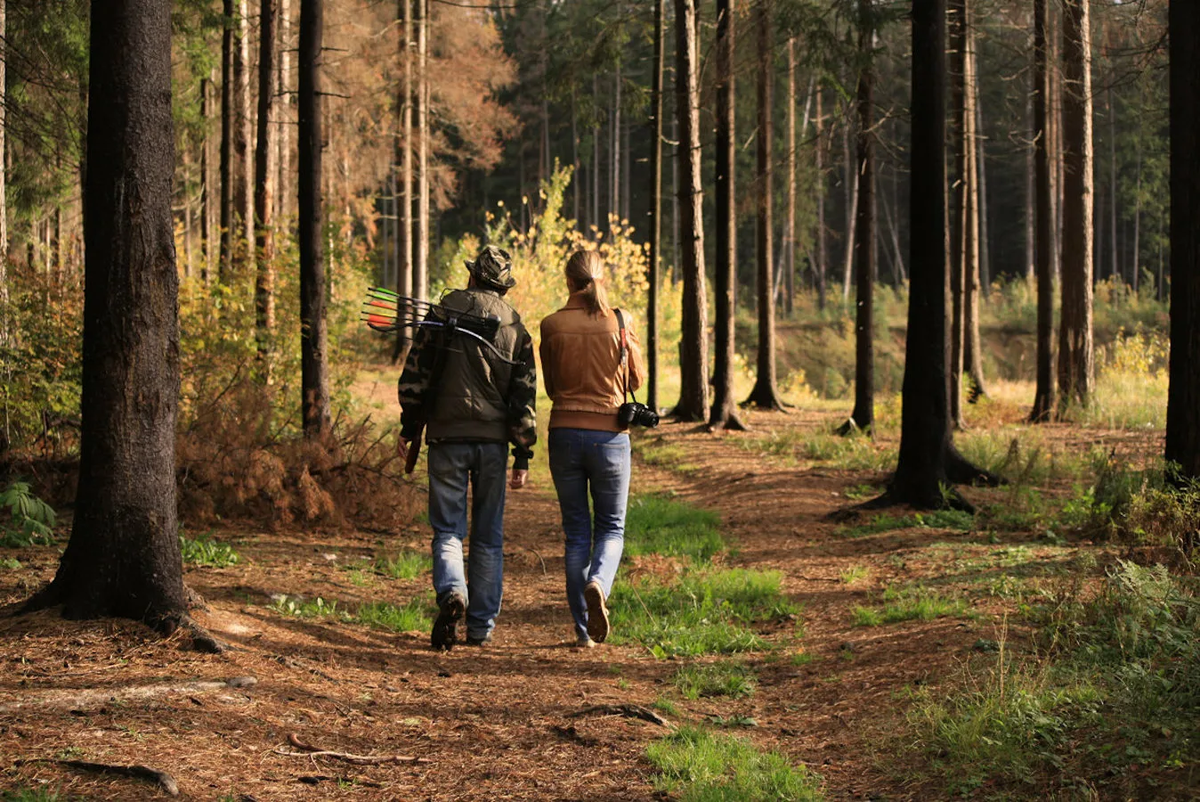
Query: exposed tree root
627, 710
160, 778
962, 472
80, 699
731, 423
307, 750
850, 427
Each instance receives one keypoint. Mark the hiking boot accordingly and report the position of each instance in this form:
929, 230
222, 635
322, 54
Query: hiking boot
584, 642
597, 627
445, 628
486, 640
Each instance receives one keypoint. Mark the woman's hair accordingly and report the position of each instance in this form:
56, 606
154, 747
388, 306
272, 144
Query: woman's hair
585, 273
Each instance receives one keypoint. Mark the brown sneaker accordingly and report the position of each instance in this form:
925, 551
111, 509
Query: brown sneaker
597, 627
445, 628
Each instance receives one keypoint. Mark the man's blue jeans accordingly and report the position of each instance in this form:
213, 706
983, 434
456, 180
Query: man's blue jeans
583, 461
452, 467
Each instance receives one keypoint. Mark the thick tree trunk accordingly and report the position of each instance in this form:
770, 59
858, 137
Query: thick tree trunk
225, 266
765, 393
314, 355
693, 363
404, 223
927, 457
1075, 348
863, 416
1183, 397
264, 248
724, 408
1043, 400
421, 236
960, 208
123, 556
656, 157
822, 186
3, 183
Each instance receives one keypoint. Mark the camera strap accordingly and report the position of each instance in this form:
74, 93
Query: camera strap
623, 339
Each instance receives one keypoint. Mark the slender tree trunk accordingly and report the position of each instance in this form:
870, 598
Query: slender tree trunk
765, 394
243, 139
960, 207
404, 222
421, 249
789, 236
285, 113
1183, 396
1115, 269
598, 221
656, 158
851, 190
1044, 397
1075, 349
822, 188
206, 230
972, 346
693, 363
614, 165
4, 191
985, 242
724, 408
863, 416
1135, 264
123, 556
264, 246
225, 268
576, 175
314, 355
1030, 183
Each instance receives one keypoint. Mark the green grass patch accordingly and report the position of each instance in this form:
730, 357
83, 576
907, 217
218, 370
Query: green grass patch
734, 680
702, 612
856, 452
701, 766
938, 519
655, 524
10, 563
653, 449
405, 564
417, 614
853, 574
205, 551
908, 603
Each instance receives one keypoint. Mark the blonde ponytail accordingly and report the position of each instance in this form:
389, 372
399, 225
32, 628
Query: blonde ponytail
585, 274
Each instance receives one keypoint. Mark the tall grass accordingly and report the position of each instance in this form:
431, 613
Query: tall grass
701, 766
656, 524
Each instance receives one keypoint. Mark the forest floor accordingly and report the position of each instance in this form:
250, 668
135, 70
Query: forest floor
512, 720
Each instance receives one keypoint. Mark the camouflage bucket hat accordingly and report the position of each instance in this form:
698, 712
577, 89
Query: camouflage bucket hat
493, 266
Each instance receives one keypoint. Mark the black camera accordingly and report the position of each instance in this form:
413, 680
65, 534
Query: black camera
634, 414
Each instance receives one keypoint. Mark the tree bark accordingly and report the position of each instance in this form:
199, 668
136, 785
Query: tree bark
765, 393
789, 236
928, 459
724, 408
972, 346
960, 207
264, 250
225, 264
851, 193
314, 365
1044, 396
863, 417
123, 556
243, 136
3, 178
404, 222
656, 157
206, 230
693, 363
285, 114
822, 187
1075, 348
1183, 396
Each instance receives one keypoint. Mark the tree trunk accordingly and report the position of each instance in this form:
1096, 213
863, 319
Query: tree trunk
576, 175
693, 363
960, 208
1115, 270
264, 251
225, 266
972, 346
863, 417
724, 408
765, 394
822, 186
123, 556
206, 231
927, 457
1031, 184
1183, 396
421, 249
851, 190
404, 222
656, 157
4, 186
243, 139
285, 113
598, 221
1043, 400
1075, 350
1135, 263
314, 355
789, 236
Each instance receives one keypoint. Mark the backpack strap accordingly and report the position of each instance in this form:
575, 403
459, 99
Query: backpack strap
623, 337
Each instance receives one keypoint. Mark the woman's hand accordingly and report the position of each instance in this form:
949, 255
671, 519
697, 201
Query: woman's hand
518, 479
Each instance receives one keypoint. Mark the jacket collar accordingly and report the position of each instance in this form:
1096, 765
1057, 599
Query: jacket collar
575, 301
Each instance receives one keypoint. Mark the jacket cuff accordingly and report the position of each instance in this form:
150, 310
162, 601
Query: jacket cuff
521, 459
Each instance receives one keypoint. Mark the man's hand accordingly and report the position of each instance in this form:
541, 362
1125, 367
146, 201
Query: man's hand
518, 479
402, 448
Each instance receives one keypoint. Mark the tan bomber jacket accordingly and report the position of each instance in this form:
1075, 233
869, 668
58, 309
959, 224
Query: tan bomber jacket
581, 368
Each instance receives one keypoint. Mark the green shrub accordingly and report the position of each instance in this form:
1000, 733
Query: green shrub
207, 552
406, 564
31, 520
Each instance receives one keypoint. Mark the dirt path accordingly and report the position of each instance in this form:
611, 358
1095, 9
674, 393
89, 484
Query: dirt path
494, 723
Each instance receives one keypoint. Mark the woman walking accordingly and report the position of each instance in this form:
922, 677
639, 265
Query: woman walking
590, 359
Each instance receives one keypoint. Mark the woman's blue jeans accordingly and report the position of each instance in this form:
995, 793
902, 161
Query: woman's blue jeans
583, 462
453, 467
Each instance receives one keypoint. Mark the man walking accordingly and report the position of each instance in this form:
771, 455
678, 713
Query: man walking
472, 400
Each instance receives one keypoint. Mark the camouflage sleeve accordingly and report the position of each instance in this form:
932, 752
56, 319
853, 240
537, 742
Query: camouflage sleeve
522, 401
414, 383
